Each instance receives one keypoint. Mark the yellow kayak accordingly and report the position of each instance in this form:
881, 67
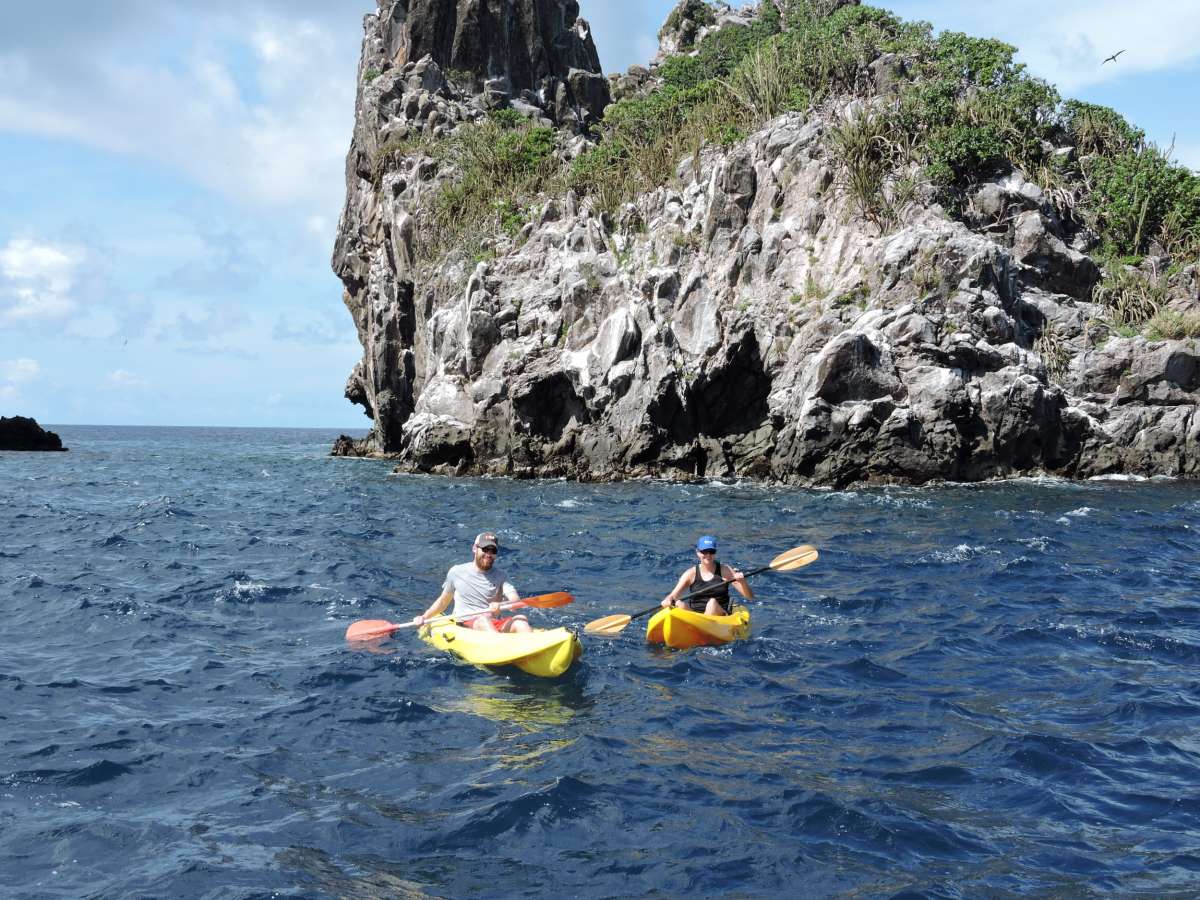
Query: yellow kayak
545, 653
682, 628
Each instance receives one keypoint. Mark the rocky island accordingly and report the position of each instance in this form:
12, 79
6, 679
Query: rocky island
809, 243
22, 433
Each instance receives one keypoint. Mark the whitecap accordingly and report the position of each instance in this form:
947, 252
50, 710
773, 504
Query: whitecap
1035, 543
961, 553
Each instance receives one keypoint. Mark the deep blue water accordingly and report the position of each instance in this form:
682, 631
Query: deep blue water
977, 691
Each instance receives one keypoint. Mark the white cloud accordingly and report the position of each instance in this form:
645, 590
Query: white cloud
256, 104
329, 328
36, 281
1066, 42
14, 373
208, 325
19, 370
122, 380
1069, 46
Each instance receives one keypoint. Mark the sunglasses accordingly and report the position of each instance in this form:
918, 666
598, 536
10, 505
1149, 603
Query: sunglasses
492, 550
708, 552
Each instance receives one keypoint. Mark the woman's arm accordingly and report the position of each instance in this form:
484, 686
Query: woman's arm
681, 586
739, 581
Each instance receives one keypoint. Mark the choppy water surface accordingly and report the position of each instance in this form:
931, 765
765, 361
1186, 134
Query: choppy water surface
977, 691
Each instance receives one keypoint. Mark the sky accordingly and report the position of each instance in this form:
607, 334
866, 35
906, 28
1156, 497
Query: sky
171, 176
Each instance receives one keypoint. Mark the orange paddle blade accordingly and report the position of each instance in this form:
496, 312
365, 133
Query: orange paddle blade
549, 601
369, 629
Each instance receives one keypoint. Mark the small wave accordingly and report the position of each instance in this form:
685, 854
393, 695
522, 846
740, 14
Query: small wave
934, 776
386, 710
568, 504
1118, 477
865, 670
331, 679
1068, 518
961, 553
876, 825
87, 776
564, 801
1039, 544
250, 592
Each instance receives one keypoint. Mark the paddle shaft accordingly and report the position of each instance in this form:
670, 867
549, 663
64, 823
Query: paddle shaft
392, 627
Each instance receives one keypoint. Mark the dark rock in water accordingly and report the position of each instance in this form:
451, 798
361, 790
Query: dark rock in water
22, 433
348, 446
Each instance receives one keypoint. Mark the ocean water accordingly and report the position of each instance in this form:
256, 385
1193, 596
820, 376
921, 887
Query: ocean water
976, 691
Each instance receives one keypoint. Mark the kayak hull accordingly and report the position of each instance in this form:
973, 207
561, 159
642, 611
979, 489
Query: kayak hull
545, 653
682, 628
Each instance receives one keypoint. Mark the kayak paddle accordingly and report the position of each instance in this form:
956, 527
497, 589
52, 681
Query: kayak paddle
796, 558
370, 629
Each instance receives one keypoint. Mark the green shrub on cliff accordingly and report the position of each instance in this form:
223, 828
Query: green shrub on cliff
960, 107
696, 10
948, 109
504, 163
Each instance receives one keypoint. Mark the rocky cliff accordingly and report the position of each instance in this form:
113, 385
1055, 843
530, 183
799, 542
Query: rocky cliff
755, 313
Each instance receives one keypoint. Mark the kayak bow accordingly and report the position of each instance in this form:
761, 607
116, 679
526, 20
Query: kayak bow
545, 653
682, 628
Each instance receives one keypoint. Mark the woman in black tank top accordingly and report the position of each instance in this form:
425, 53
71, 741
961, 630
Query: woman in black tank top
708, 571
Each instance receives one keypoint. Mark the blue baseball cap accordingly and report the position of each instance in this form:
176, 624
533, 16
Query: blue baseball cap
706, 542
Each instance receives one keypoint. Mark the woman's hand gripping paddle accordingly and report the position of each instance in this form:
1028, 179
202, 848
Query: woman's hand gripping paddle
796, 558
371, 629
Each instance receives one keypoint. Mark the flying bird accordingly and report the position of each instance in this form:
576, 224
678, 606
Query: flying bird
1113, 58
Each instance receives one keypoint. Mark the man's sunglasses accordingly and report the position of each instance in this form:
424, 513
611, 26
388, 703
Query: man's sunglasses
491, 550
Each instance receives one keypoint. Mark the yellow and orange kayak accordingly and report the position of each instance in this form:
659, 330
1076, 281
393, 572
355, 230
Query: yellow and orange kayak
546, 653
682, 628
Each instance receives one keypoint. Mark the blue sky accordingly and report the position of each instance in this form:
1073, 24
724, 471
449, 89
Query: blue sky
171, 176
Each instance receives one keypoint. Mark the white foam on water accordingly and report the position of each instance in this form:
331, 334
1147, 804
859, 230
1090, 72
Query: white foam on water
1035, 543
961, 553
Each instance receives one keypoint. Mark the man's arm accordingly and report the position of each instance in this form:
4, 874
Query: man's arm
439, 604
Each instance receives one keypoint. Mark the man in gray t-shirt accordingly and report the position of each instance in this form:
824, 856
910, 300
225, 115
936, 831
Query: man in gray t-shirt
476, 589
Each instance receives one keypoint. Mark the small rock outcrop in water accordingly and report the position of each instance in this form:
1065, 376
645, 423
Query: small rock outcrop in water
746, 317
22, 433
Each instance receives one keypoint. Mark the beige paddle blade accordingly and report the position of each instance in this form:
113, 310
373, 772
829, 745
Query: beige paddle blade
609, 626
796, 558
370, 629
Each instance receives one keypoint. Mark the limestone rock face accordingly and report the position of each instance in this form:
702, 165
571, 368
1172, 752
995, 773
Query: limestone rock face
537, 46
741, 321
23, 433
